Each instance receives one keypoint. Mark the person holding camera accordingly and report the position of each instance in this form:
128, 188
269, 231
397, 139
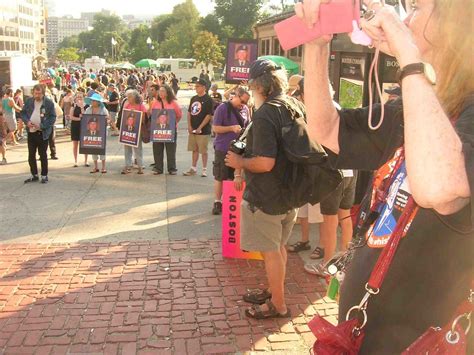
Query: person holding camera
423, 154
229, 120
266, 217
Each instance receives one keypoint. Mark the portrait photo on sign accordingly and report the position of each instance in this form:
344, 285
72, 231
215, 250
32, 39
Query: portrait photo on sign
130, 127
93, 134
240, 55
163, 126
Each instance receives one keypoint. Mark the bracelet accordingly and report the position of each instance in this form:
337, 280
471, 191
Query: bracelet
237, 176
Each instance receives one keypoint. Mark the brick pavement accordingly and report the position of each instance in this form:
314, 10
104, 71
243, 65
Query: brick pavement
177, 297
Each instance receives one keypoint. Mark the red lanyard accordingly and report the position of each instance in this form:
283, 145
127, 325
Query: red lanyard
388, 252
386, 256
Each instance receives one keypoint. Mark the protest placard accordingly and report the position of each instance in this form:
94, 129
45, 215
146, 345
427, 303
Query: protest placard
163, 126
131, 127
241, 53
93, 134
231, 200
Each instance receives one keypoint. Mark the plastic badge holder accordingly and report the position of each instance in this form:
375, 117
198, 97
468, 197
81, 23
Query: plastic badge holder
334, 17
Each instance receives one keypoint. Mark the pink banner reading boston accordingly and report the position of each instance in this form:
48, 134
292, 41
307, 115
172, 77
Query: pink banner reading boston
231, 200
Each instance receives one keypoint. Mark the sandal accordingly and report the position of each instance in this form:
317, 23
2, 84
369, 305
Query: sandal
299, 246
256, 312
126, 171
318, 253
257, 296
140, 172
104, 171
93, 171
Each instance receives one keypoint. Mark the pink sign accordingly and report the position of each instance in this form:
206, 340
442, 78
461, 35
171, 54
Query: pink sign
231, 200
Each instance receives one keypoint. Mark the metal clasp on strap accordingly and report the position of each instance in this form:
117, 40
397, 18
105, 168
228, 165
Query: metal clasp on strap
362, 309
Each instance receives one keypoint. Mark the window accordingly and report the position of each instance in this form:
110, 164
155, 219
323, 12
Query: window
265, 47
277, 50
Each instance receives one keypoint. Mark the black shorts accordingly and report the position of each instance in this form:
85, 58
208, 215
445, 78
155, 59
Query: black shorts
220, 170
341, 198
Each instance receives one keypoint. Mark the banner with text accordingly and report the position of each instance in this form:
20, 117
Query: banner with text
231, 200
130, 127
163, 126
93, 134
241, 53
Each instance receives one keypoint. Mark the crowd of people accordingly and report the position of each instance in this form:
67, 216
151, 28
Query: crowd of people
75, 93
419, 200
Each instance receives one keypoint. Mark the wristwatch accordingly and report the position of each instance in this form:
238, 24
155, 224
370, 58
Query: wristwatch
418, 68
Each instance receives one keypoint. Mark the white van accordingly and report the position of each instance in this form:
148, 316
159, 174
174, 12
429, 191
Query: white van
185, 69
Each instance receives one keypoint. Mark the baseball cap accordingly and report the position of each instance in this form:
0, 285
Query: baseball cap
243, 47
201, 82
262, 66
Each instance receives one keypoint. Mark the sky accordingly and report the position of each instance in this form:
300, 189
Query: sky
148, 8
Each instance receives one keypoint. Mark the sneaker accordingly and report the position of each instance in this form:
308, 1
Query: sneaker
204, 173
31, 179
190, 172
317, 269
44, 179
173, 172
54, 157
3, 162
217, 209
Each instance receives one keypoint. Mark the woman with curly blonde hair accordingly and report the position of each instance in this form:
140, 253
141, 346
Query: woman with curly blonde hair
423, 153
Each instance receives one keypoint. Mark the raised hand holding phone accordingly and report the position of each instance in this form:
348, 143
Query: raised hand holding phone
316, 18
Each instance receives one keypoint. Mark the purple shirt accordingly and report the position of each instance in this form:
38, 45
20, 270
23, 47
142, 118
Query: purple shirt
221, 118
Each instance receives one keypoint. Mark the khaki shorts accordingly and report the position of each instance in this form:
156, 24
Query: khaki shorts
198, 143
264, 232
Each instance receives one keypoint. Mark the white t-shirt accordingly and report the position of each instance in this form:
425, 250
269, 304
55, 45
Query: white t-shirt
36, 115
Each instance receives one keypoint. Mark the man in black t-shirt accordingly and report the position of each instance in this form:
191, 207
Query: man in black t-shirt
199, 127
113, 106
267, 220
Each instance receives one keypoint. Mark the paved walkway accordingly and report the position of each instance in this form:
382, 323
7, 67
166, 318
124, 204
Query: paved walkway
113, 264
178, 297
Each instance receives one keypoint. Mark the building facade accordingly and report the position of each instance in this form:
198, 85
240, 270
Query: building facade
22, 27
59, 28
268, 43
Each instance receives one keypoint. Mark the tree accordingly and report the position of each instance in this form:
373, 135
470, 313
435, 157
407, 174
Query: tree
139, 49
240, 15
68, 42
159, 26
98, 40
180, 34
207, 49
212, 24
68, 54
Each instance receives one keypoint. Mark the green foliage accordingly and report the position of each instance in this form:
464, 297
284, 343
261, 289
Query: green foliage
139, 49
159, 26
179, 35
98, 40
68, 54
211, 23
240, 15
68, 42
207, 49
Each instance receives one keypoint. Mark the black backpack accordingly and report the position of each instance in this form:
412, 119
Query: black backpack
308, 177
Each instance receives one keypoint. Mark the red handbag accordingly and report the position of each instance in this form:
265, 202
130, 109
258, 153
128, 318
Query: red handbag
451, 339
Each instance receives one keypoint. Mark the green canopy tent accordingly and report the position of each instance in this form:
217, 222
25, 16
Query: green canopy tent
290, 66
146, 63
